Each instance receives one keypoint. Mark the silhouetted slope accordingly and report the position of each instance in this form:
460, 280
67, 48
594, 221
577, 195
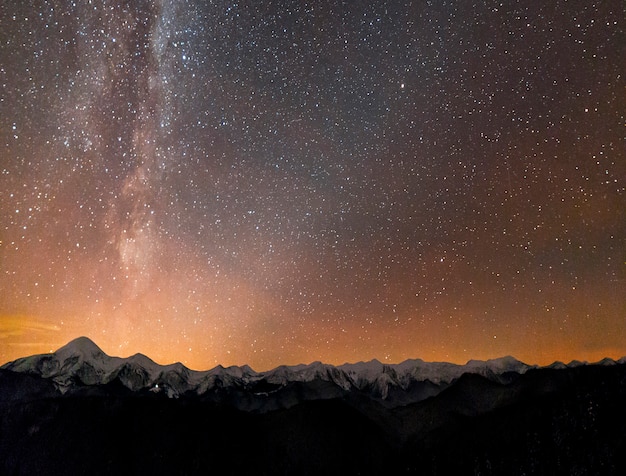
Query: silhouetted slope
151, 435
557, 422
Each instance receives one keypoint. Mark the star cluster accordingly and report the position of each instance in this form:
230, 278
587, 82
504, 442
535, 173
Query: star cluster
281, 182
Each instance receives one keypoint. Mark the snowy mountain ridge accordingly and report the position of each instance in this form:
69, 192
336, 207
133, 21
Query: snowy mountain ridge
82, 363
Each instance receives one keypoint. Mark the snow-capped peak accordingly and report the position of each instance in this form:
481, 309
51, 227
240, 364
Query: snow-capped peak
81, 346
145, 362
499, 365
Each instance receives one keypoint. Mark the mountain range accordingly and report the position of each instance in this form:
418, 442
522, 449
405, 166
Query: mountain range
81, 363
80, 411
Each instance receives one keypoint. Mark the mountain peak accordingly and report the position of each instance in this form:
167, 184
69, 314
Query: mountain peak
142, 359
507, 359
80, 346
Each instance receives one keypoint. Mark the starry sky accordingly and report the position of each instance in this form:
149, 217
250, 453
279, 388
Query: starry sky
276, 182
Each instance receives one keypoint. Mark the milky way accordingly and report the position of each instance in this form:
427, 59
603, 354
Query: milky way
282, 182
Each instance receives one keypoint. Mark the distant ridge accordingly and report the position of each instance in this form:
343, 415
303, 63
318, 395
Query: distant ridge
81, 364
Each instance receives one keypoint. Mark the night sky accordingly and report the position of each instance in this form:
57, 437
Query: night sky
278, 182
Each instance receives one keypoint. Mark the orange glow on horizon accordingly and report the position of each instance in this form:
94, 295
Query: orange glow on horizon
28, 335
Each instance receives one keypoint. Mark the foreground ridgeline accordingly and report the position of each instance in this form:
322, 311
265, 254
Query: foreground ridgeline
80, 411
